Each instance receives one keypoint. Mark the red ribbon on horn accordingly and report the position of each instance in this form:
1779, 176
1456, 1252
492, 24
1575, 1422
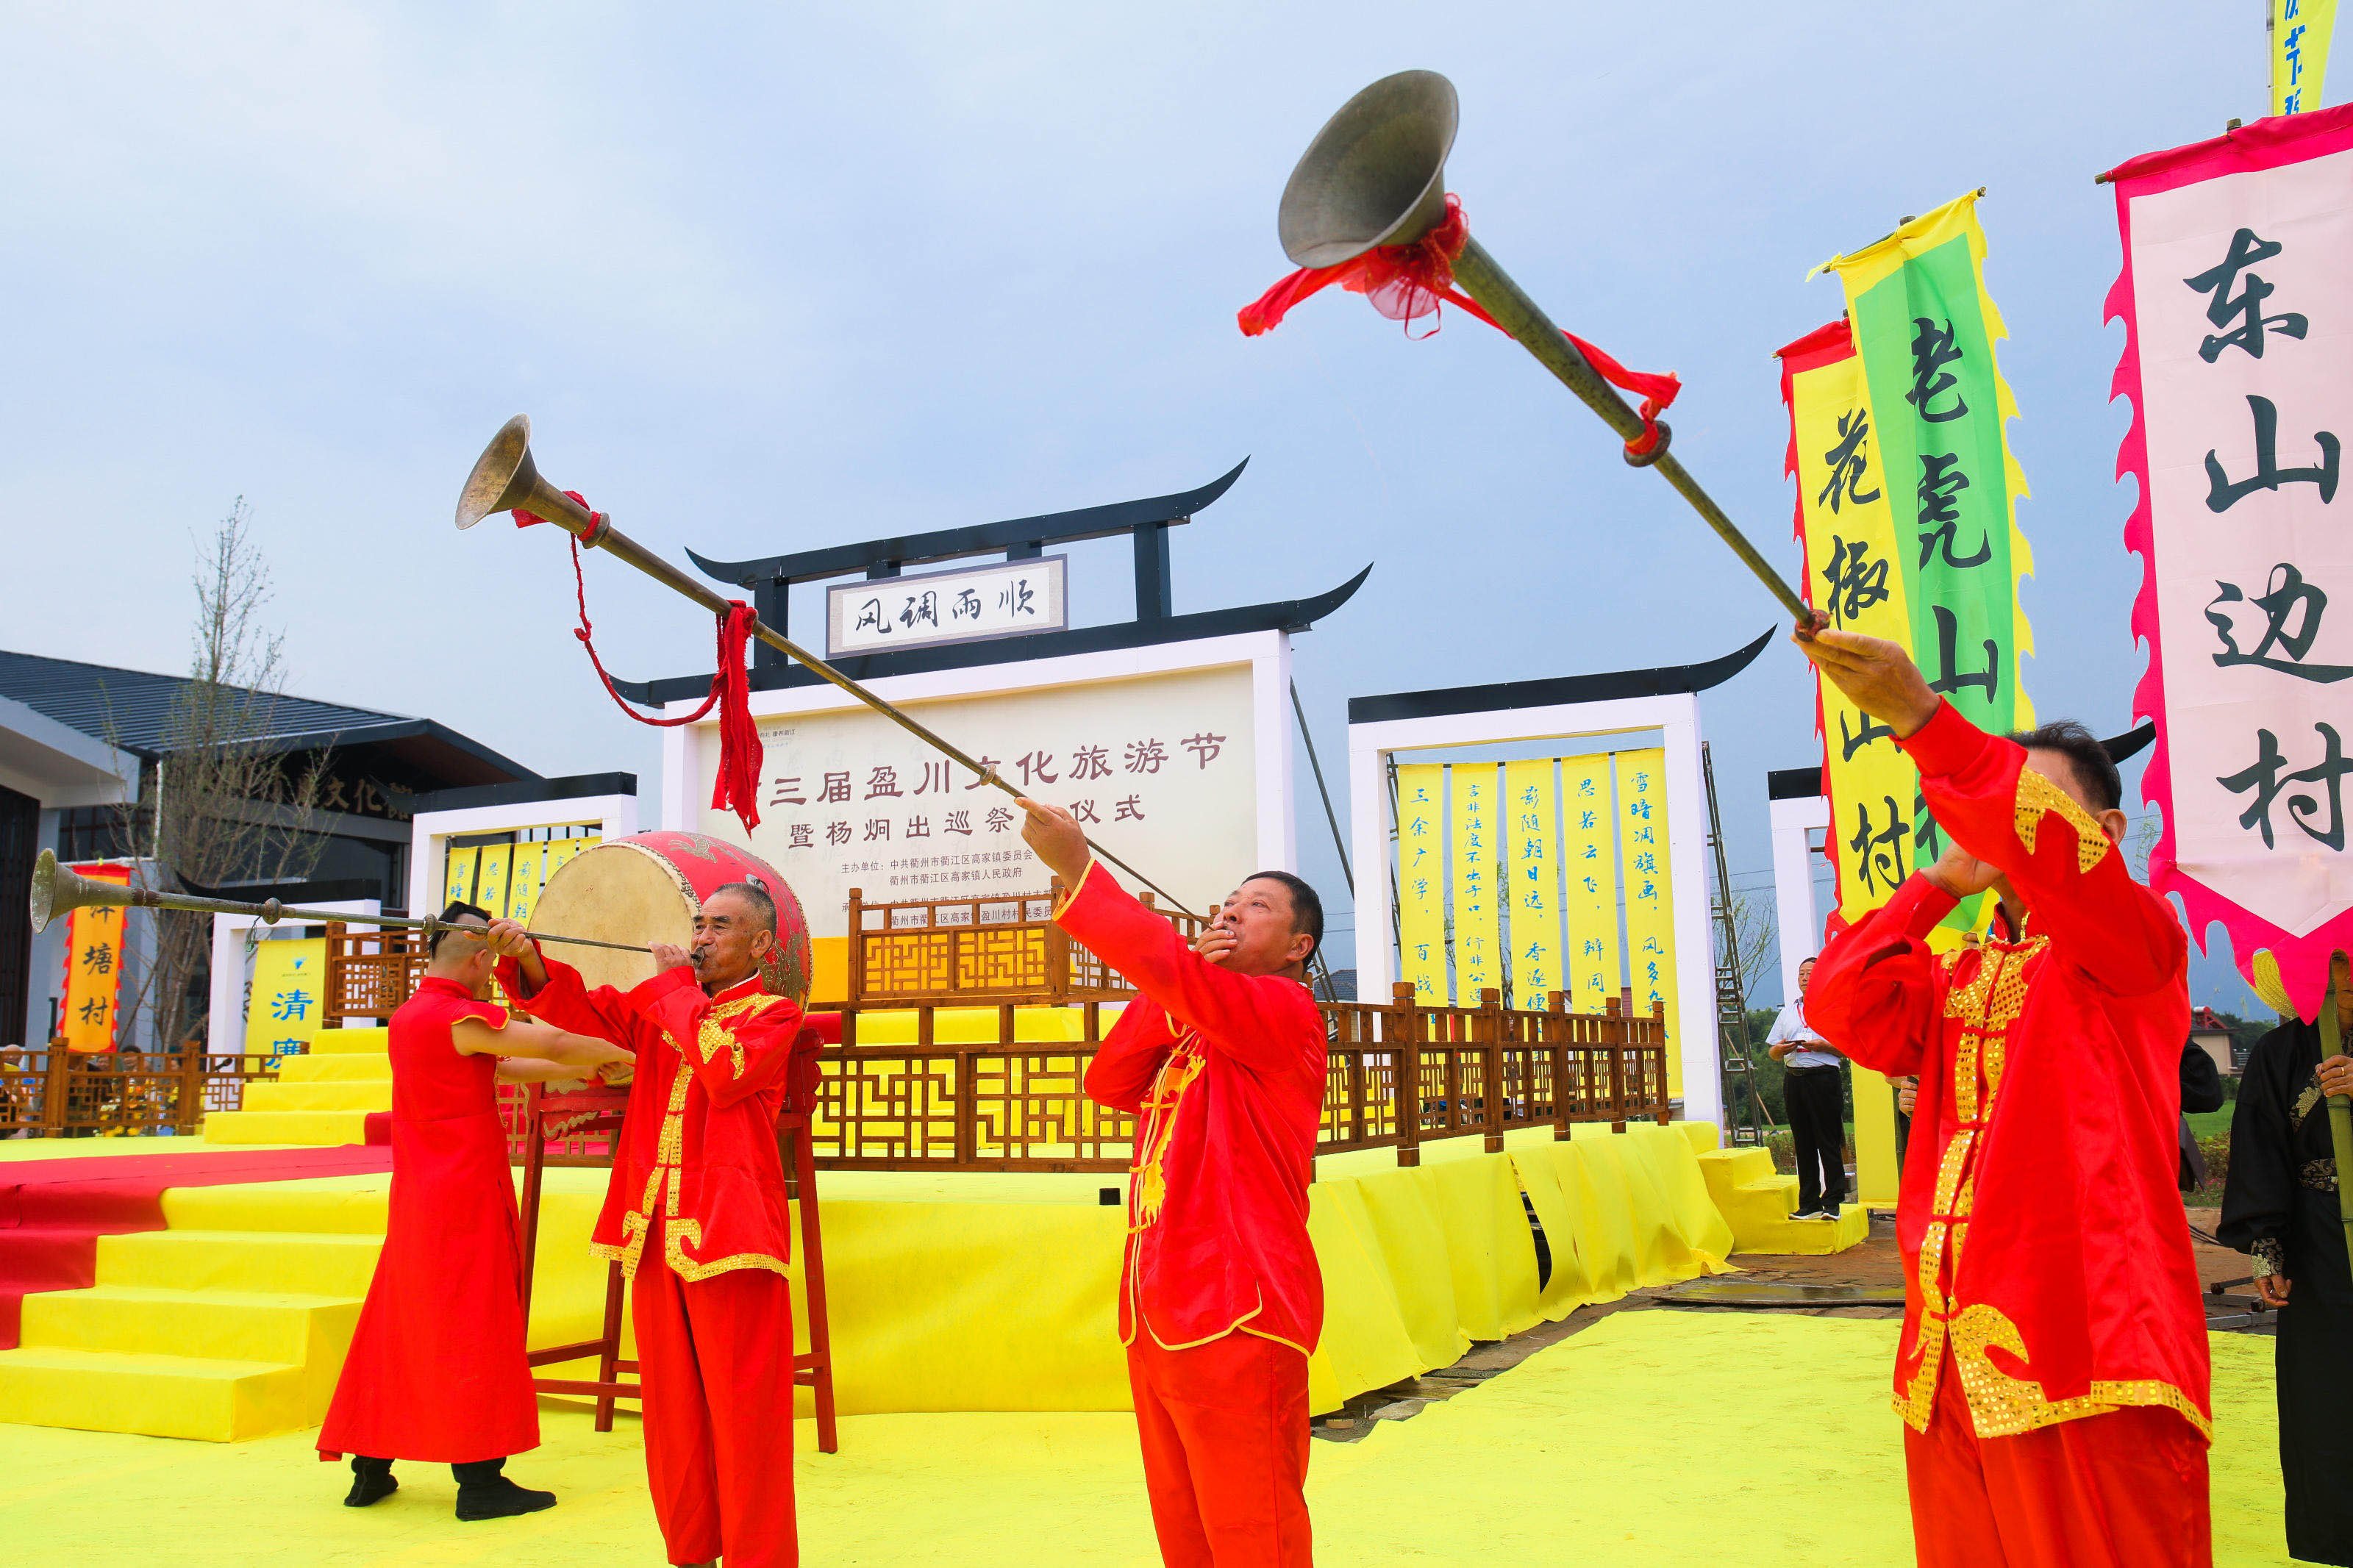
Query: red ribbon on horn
1405, 282
737, 787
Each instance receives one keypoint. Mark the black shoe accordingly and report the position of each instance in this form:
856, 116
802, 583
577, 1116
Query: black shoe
499, 1498
372, 1482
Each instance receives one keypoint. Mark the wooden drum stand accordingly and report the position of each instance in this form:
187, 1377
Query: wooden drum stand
597, 1110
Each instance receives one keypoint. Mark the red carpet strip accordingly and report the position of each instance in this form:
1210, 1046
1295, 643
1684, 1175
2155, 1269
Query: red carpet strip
52, 1212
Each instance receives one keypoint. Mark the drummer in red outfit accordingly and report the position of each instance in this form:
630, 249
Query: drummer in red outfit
2053, 1365
1221, 1300
437, 1368
695, 1212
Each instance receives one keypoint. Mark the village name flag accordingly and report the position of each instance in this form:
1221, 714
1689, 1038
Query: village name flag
93, 984
2300, 32
2238, 311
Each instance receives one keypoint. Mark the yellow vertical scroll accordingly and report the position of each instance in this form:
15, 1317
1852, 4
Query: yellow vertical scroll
458, 883
2300, 31
1478, 865
523, 880
490, 878
93, 987
1421, 880
1530, 813
1590, 867
1649, 899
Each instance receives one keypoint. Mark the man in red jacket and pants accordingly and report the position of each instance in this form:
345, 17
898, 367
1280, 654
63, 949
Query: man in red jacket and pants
696, 1213
1221, 1061
2053, 1365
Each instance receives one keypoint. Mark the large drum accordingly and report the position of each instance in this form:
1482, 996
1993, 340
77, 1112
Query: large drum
648, 888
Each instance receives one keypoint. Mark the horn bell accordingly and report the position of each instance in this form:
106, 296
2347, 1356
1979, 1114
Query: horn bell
1375, 173
56, 889
506, 479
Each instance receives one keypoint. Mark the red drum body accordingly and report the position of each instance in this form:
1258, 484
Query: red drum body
648, 888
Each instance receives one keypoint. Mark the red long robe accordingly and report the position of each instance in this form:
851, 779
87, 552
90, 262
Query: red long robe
698, 1192
436, 1369
1220, 1296
2046, 1254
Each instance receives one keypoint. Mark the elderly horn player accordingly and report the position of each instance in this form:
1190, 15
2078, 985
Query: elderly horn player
1221, 1300
696, 1213
2052, 1368
437, 1370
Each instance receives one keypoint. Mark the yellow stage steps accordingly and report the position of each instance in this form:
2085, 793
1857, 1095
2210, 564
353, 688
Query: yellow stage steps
321, 1098
231, 1324
1756, 1201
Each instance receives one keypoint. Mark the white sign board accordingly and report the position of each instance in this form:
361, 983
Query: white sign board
1176, 758
1003, 599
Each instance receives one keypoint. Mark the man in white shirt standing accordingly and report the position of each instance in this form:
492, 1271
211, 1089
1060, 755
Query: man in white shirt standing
1816, 1097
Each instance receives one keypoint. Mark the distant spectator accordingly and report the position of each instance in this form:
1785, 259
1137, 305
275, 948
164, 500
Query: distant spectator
1815, 1094
2201, 1089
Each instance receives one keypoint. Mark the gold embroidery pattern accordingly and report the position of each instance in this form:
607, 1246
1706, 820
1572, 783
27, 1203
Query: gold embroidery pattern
712, 1032
2001, 1405
1149, 1189
1985, 1007
2038, 797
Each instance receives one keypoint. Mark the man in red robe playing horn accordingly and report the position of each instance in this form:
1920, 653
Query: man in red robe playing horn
2053, 1369
696, 1213
436, 1369
1221, 1300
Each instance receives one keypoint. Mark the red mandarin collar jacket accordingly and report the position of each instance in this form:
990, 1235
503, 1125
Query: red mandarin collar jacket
697, 1147
1224, 1073
2044, 1244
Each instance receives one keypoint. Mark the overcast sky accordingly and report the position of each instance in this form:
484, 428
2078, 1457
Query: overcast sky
769, 277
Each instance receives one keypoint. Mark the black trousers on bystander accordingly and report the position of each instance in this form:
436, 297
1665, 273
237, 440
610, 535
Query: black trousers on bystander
1817, 1103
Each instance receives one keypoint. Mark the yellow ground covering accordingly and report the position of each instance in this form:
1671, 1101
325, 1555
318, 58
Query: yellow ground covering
1652, 1439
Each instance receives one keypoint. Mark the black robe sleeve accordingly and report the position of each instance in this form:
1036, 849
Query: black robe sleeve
2259, 1194
2201, 1085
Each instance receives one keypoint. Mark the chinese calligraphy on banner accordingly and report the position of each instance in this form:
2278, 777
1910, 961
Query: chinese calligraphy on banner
1160, 769
93, 984
1649, 898
2237, 306
2300, 32
1478, 853
1421, 878
1853, 574
1589, 870
1925, 440
1533, 890
281, 1014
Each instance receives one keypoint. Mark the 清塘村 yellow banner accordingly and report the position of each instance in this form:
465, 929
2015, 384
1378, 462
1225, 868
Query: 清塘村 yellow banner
93, 986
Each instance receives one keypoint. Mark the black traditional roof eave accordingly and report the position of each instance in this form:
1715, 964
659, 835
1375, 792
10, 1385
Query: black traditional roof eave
980, 539
1664, 681
1290, 616
1806, 783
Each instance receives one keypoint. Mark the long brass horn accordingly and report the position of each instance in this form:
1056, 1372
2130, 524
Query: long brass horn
1376, 175
504, 478
56, 889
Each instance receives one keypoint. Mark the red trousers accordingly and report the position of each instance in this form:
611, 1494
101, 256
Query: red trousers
2127, 1489
716, 1358
1224, 1428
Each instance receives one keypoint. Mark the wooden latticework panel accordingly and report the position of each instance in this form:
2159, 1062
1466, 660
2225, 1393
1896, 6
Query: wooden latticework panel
1030, 1109
981, 949
63, 1093
370, 972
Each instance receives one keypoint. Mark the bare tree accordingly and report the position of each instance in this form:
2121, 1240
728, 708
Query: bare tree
221, 806
1753, 928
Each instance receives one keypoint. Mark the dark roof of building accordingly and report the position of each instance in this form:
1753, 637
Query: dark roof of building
132, 709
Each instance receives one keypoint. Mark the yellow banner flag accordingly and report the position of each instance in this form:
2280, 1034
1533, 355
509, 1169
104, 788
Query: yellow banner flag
458, 885
93, 987
1530, 811
1421, 880
1590, 866
490, 878
1478, 865
1649, 899
288, 980
2300, 33
524, 881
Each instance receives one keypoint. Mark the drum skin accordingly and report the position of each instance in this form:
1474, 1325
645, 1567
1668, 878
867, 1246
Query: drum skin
648, 889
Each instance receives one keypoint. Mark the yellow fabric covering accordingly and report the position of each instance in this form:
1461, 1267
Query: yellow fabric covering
947, 1292
1757, 1202
1651, 1439
320, 1100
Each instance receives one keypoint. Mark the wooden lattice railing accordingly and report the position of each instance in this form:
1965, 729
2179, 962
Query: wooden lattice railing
370, 970
953, 952
59, 1093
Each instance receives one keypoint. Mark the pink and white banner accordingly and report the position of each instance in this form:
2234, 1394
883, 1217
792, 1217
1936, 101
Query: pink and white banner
2237, 297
